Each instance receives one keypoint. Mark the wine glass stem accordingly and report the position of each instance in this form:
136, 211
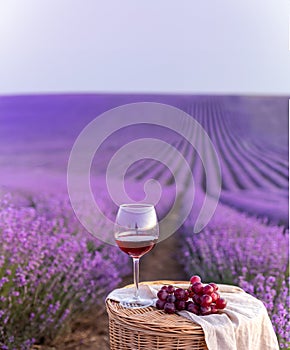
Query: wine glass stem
136, 276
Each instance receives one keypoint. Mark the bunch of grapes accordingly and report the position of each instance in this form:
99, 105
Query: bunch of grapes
199, 299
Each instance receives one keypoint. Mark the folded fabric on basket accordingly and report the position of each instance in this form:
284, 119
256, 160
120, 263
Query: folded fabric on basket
243, 325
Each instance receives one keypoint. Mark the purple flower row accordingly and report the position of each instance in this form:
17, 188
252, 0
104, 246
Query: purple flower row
237, 249
50, 271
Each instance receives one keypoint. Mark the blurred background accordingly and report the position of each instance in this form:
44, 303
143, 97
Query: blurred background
62, 64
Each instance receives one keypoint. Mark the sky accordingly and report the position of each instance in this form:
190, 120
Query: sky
164, 46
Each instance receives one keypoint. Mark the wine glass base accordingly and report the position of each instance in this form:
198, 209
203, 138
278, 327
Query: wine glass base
136, 303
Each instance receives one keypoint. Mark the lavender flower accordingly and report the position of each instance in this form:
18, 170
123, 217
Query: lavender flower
51, 270
237, 249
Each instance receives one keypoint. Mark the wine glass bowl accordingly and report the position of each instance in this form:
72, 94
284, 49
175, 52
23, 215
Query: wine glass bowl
136, 233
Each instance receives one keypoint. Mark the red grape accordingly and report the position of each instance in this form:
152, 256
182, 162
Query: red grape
197, 288
160, 304
170, 289
194, 279
221, 303
215, 287
208, 289
205, 300
180, 305
169, 308
186, 295
193, 308
162, 295
205, 310
187, 303
179, 293
214, 309
214, 296
171, 298
196, 299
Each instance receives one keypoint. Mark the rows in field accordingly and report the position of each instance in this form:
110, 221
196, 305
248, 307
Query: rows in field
253, 181
254, 175
254, 168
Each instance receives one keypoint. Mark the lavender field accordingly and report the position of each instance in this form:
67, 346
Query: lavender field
52, 271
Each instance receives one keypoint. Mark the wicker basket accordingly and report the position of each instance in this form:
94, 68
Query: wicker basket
151, 329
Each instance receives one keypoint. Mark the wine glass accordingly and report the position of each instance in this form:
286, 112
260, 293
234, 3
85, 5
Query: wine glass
136, 233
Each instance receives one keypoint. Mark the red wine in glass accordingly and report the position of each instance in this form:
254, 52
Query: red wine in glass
136, 233
136, 245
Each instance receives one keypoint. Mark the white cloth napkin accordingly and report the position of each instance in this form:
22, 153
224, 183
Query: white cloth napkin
243, 325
